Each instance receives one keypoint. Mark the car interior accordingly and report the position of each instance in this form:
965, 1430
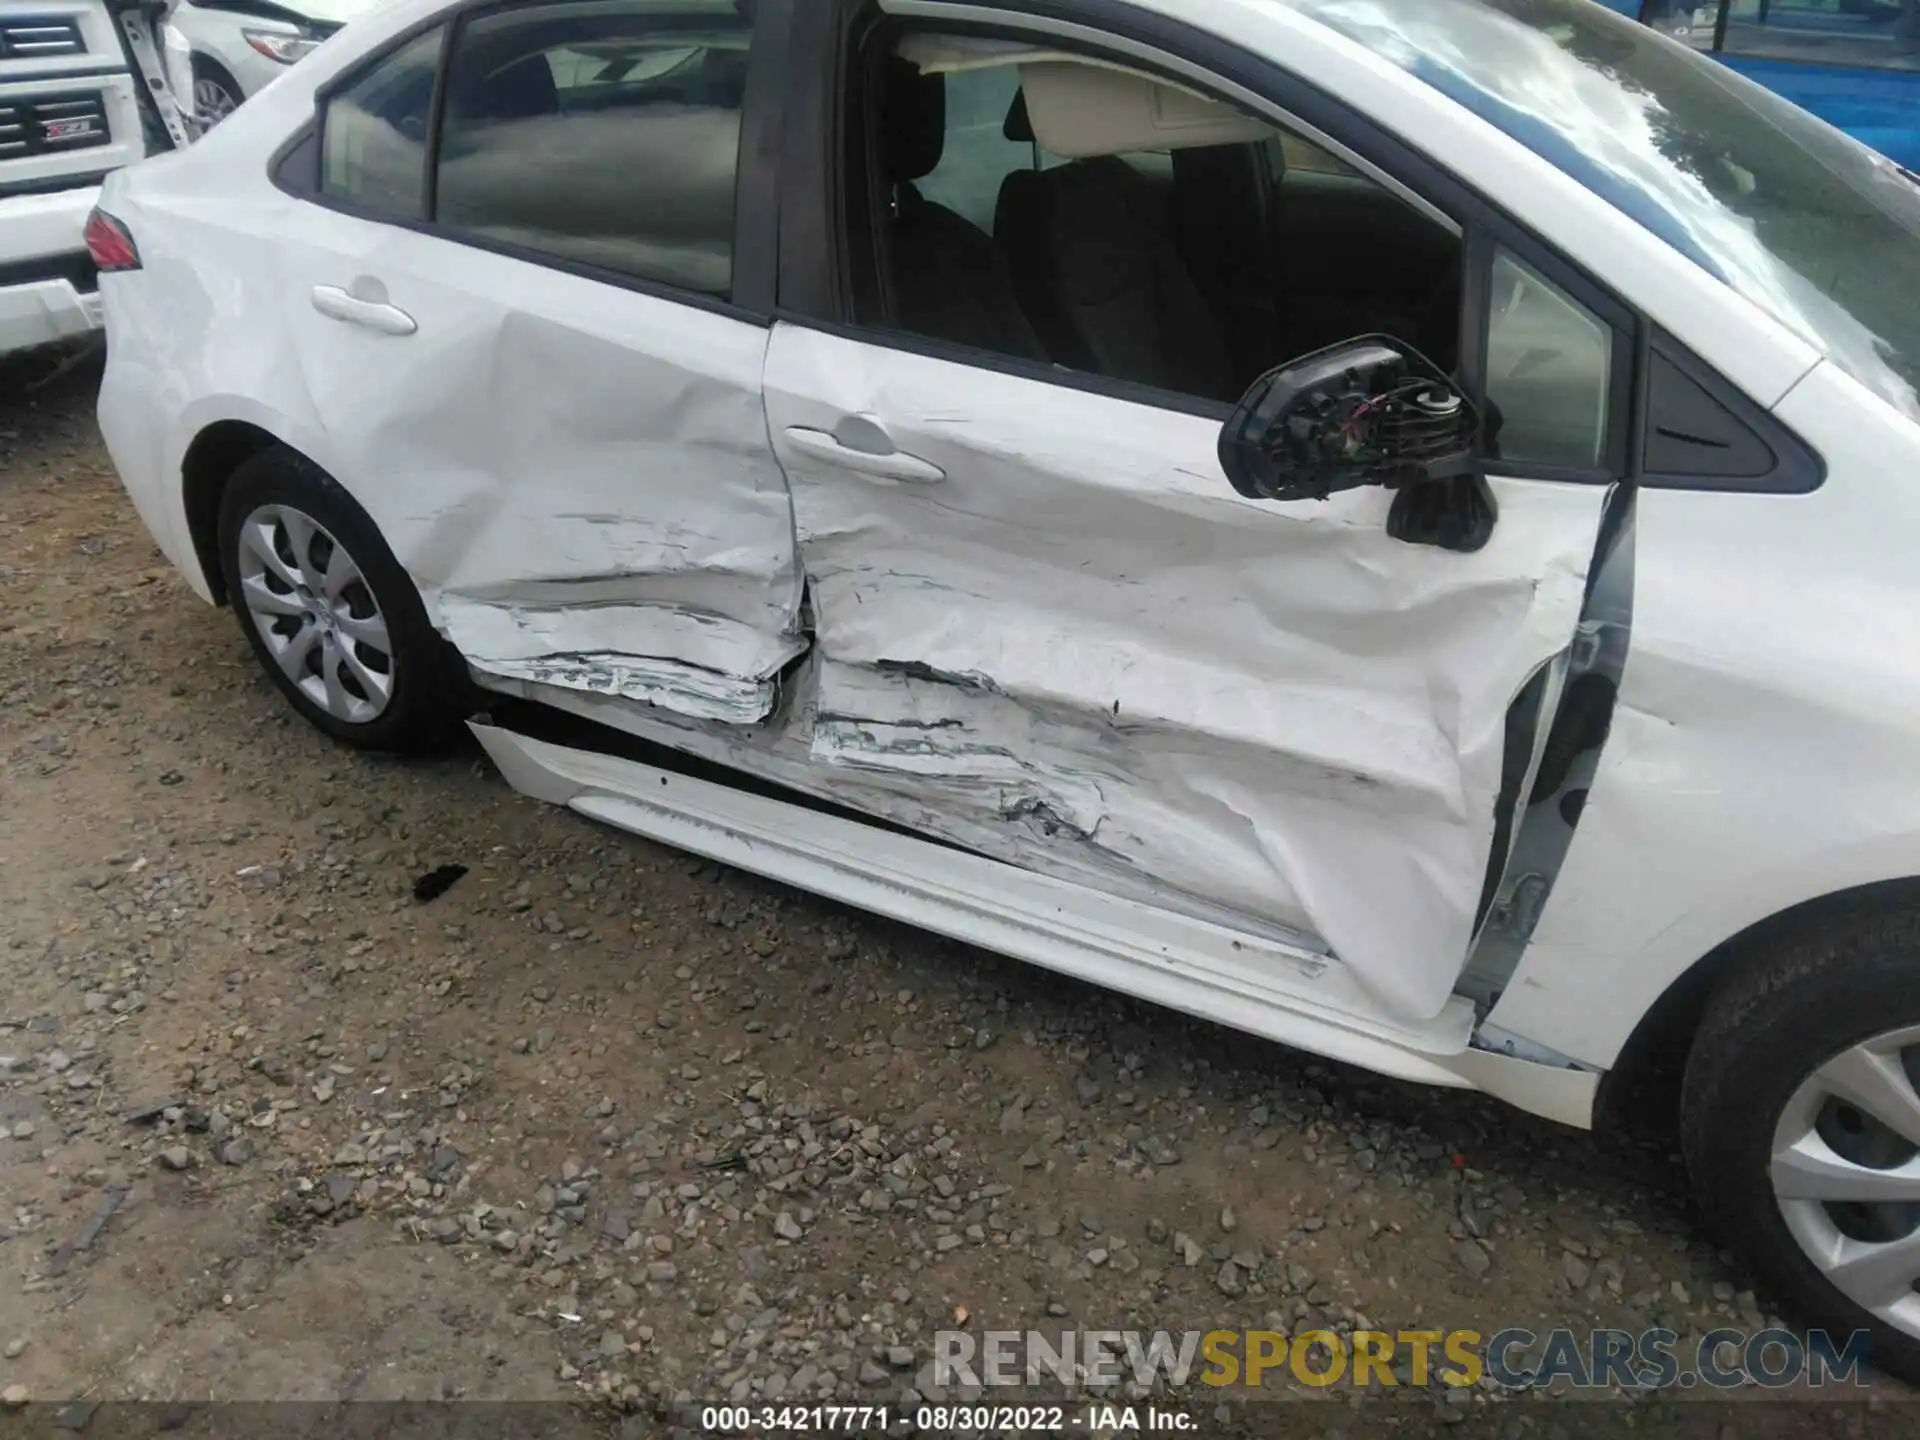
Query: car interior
1061, 208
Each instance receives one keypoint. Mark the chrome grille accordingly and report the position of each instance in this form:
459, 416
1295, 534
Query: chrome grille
31, 38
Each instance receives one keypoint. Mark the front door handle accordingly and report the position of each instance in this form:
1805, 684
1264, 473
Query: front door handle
378, 315
895, 465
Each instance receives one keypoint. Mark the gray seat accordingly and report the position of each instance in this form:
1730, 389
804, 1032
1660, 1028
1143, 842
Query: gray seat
1094, 264
950, 280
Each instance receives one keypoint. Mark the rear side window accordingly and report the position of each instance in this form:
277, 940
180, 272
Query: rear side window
373, 142
604, 133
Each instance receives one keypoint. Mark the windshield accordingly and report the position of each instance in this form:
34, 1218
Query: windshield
1808, 224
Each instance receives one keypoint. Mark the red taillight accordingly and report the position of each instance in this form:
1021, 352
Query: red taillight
109, 244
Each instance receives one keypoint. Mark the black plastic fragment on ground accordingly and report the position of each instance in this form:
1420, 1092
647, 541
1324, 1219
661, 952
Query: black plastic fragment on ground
435, 883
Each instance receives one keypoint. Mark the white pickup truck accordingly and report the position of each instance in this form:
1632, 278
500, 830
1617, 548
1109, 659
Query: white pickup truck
86, 86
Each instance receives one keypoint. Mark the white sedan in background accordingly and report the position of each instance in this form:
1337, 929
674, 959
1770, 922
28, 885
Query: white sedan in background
1388, 524
238, 49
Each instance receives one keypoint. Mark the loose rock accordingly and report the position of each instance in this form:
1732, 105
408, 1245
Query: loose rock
235, 1151
1158, 1150
1577, 1271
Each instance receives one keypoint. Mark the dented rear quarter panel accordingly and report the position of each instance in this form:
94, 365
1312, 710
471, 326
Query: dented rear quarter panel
195, 352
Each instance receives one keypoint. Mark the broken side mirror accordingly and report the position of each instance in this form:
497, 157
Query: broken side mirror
1369, 411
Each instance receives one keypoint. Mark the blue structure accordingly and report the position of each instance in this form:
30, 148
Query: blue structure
1854, 63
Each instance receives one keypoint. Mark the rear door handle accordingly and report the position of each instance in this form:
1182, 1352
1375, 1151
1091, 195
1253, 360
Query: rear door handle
338, 304
894, 465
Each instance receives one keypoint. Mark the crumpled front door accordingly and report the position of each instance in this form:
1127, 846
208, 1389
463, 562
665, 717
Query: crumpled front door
1045, 621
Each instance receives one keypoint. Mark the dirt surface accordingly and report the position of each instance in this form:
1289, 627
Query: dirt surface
606, 1122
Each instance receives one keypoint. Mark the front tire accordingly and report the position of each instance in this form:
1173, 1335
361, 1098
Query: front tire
332, 618
216, 94
1800, 1119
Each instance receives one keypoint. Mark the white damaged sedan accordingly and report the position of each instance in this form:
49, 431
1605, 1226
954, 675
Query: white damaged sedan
1387, 524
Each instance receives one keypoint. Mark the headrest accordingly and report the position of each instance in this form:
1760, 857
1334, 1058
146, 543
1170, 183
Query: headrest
916, 119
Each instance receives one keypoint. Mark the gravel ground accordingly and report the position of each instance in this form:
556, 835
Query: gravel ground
611, 1124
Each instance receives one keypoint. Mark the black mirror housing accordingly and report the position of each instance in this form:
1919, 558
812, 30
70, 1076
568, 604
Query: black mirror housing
1368, 411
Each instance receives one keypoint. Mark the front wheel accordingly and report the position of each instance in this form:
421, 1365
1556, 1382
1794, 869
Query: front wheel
216, 94
333, 619
1800, 1120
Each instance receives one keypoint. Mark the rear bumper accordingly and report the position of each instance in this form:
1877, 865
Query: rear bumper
47, 292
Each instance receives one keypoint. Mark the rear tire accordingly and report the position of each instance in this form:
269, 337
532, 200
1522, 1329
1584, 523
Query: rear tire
334, 621
1805, 1069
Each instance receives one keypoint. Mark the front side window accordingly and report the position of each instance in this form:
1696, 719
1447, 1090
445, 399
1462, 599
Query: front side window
373, 148
1812, 227
1100, 220
606, 133
1105, 221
